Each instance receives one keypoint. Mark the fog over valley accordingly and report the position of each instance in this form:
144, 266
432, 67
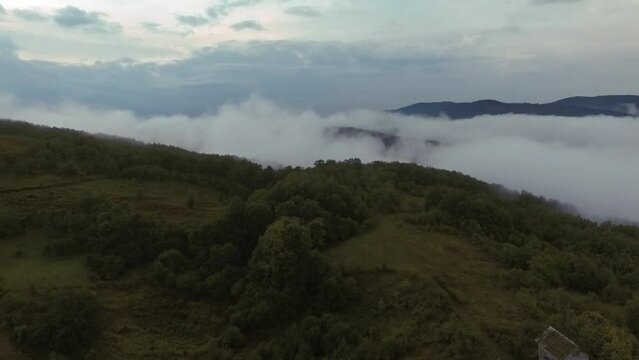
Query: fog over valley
589, 162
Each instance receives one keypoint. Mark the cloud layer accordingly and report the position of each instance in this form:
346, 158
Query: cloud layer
592, 163
326, 77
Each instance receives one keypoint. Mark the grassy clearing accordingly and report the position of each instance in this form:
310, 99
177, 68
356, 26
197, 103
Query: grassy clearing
14, 144
166, 200
148, 325
462, 270
10, 183
141, 324
23, 265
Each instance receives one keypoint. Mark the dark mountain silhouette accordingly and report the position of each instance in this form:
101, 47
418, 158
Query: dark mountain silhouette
388, 140
611, 105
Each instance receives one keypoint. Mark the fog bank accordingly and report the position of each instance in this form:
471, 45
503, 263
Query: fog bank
592, 163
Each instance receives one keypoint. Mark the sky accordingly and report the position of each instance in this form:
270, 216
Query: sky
192, 56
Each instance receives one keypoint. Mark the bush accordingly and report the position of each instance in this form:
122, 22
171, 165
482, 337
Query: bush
107, 267
232, 338
190, 201
632, 316
67, 323
10, 224
460, 342
189, 283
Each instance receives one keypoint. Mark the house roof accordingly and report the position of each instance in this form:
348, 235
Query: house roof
558, 344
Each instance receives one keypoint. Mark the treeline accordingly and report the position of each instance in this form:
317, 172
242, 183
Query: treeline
41, 150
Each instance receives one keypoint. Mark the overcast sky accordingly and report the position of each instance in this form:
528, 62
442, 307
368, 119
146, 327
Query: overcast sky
191, 56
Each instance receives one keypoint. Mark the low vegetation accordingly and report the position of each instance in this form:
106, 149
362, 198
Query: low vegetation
201, 256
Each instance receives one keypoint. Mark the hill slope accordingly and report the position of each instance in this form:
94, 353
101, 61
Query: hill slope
162, 253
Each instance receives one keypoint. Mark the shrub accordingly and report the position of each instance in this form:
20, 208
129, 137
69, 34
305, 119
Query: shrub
67, 323
107, 267
10, 224
632, 316
189, 283
460, 341
232, 338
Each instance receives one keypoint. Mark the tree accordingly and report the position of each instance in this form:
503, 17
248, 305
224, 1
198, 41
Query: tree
387, 198
190, 201
10, 224
232, 338
632, 316
67, 323
283, 256
618, 345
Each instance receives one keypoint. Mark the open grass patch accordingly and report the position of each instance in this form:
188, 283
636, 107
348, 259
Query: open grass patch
23, 265
171, 201
468, 276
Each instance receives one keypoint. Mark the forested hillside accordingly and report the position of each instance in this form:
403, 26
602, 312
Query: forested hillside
111, 249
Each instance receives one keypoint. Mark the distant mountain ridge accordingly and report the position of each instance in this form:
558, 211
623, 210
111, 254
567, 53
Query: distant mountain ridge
388, 140
578, 106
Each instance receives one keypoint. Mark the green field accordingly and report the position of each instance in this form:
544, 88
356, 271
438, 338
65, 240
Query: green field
166, 200
23, 266
466, 274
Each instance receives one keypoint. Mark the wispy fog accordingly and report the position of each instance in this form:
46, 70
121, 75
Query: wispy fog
592, 163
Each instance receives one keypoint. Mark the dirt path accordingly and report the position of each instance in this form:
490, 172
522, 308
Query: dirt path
48, 186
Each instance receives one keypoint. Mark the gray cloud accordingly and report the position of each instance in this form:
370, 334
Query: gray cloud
153, 26
73, 17
561, 158
326, 77
304, 11
318, 75
216, 12
248, 25
30, 15
192, 20
2, 10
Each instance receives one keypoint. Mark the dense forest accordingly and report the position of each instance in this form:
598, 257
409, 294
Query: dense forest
250, 262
